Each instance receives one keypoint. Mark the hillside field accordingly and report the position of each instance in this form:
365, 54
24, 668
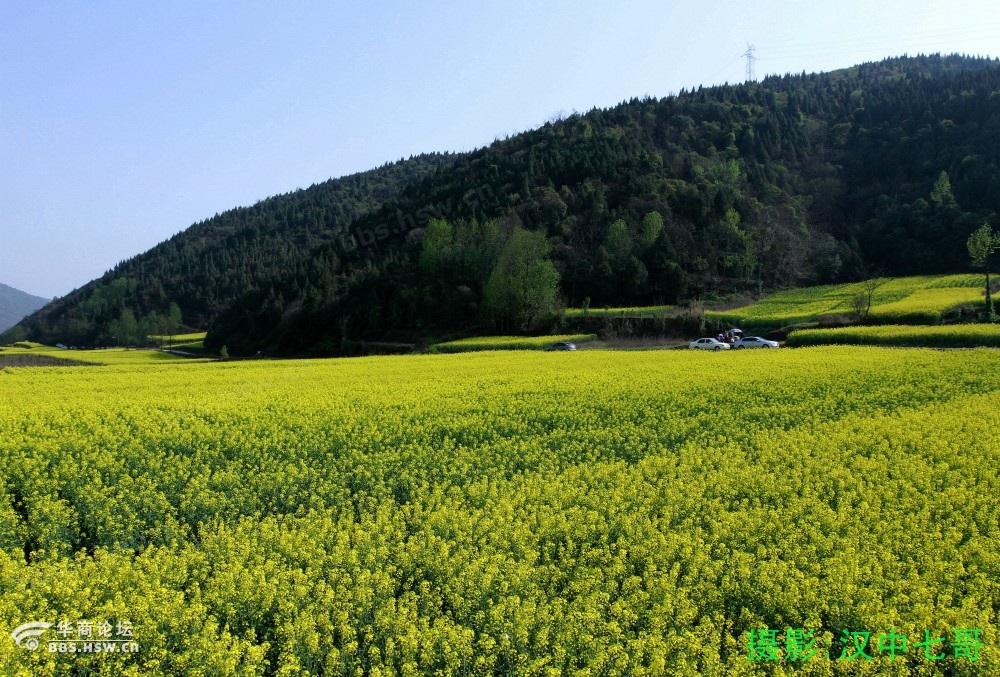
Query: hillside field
944, 336
477, 343
901, 300
643, 311
191, 342
519, 513
105, 356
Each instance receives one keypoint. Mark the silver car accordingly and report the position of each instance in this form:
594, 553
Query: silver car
708, 344
562, 345
755, 342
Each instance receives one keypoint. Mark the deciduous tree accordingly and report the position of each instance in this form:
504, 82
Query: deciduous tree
522, 288
982, 244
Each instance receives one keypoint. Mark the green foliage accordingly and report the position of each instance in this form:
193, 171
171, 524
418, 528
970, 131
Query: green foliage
172, 322
436, 251
651, 227
618, 240
14, 334
941, 194
522, 288
982, 244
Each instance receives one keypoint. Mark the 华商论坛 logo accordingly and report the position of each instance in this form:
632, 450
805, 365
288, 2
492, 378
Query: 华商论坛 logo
26, 635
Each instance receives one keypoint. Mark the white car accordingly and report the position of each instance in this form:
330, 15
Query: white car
708, 344
755, 342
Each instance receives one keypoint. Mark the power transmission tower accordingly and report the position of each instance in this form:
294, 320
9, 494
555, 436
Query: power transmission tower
748, 55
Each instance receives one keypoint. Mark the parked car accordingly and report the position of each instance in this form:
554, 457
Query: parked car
562, 345
708, 344
755, 342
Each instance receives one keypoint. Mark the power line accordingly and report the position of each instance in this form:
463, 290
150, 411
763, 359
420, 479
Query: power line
912, 41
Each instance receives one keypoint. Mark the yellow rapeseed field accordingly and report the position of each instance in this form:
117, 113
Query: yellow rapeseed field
515, 513
949, 335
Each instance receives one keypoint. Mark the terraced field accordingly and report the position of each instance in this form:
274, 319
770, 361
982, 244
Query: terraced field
479, 343
631, 311
98, 356
947, 336
908, 300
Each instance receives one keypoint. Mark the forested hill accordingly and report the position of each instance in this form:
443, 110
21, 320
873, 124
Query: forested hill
204, 268
798, 179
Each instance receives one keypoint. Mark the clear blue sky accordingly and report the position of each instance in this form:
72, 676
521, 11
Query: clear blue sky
122, 123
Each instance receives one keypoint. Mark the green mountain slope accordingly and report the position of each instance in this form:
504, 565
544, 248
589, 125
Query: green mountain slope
207, 266
798, 179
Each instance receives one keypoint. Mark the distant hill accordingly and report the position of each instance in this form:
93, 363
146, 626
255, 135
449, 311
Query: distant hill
797, 179
206, 267
15, 304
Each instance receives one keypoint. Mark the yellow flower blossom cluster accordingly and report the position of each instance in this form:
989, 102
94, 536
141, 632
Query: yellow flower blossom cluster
477, 343
942, 336
497, 513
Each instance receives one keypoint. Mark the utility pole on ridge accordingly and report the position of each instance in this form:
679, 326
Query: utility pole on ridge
748, 55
